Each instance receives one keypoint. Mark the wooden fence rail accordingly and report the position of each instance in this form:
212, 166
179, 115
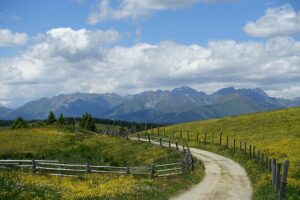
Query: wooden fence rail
50, 166
29, 161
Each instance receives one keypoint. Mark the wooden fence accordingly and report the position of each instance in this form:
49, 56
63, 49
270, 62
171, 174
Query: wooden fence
53, 167
279, 179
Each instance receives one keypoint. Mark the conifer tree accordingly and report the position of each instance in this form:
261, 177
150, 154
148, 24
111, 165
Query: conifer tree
61, 119
51, 118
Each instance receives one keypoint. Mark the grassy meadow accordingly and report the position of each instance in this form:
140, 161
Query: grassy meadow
66, 146
275, 133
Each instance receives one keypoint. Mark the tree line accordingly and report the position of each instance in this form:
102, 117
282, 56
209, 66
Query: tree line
87, 122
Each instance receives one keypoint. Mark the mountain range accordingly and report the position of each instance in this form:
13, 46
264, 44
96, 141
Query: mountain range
171, 106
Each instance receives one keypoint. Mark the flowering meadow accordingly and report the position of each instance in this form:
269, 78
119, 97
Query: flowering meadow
275, 133
69, 147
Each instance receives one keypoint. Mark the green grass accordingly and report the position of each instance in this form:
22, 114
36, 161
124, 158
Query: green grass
68, 147
275, 133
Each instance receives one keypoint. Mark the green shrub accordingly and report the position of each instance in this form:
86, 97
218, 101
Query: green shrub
19, 123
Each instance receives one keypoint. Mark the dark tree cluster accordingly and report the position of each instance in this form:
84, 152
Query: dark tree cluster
52, 119
130, 125
4, 123
19, 123
87, 122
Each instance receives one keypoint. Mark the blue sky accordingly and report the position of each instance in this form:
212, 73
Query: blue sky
113, 38
198, 23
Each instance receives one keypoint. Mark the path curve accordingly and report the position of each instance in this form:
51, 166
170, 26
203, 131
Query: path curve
224, 179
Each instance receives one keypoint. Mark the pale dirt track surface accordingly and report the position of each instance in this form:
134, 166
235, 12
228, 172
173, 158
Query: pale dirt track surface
224, 179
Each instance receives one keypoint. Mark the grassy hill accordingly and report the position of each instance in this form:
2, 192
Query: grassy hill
69, 147
276, 133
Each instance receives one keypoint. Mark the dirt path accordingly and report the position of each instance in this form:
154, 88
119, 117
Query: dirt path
224, 179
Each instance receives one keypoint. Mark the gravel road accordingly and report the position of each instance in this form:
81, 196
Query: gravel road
224, 179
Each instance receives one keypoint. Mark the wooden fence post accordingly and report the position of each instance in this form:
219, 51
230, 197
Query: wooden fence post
245, 147
262, 158
283, 183
87, 168
277, 177
220, 140
127, 170
258, 155
204, 141
146, 130
234, 144
160, 141
169, 144
227, 141
183, 166
149, 139
187, 163
250, 151
254, 151
267, 163
270, 168
152, 171
33, 167
273, 167
192, 163
197, 136
157, 131
177, 146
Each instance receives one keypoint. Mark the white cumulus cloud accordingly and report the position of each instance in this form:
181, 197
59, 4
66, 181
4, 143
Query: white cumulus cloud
282, 21
64, 60
134, 9
9, 38
67, 42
